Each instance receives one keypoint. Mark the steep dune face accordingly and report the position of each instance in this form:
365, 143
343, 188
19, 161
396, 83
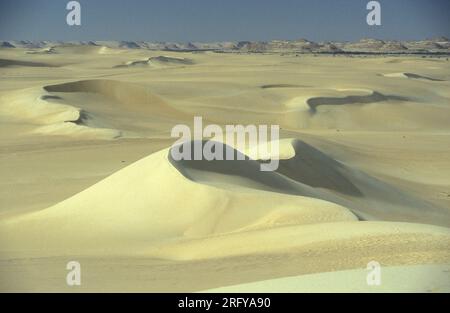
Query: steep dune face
312, 173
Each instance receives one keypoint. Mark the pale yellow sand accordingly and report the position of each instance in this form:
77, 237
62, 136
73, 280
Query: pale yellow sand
412, 278
84, 145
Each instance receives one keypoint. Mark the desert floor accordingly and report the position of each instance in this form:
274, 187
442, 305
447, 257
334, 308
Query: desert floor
364, 174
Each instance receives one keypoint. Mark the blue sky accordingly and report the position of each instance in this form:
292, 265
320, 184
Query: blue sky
222, 20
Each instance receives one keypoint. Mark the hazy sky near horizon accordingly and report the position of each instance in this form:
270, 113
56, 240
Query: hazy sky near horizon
222, 20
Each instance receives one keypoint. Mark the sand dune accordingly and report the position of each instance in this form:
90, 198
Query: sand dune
85, 50
48, 114
59, 109
146, 208
88, 174
312, 173
144, 214
50, 50
318, 109
261, 235
9, 63
157, 62
135, 97
412, 76
372, 98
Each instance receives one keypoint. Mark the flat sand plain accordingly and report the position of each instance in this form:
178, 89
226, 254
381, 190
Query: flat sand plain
85, 134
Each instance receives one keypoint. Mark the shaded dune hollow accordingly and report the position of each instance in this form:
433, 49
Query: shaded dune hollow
10, 63
374, 97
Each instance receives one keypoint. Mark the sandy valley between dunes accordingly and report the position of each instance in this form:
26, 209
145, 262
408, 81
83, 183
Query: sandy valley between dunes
86, 173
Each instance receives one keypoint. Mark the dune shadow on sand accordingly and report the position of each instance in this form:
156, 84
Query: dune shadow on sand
274, 86
8, 63
374, 97
417, 76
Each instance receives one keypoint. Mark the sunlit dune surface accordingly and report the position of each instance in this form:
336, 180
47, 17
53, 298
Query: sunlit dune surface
88, 174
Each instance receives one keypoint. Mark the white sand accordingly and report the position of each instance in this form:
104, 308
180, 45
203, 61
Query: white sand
412, 278
84, 145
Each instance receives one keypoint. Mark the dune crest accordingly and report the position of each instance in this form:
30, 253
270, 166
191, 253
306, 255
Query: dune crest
50, 116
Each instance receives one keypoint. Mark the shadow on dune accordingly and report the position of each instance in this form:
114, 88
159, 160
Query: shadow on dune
274, 86
314, 168
133, 96
7, 63
312, 173
366, 99
416, 76
309, 167
247, 168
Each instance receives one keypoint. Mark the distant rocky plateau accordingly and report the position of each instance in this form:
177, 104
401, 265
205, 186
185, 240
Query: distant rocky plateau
439, 46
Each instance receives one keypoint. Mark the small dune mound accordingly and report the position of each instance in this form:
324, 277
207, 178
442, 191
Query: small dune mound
50, 50
171, 60
138, 63
412, 76
157, 62
13, 63
83, 49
